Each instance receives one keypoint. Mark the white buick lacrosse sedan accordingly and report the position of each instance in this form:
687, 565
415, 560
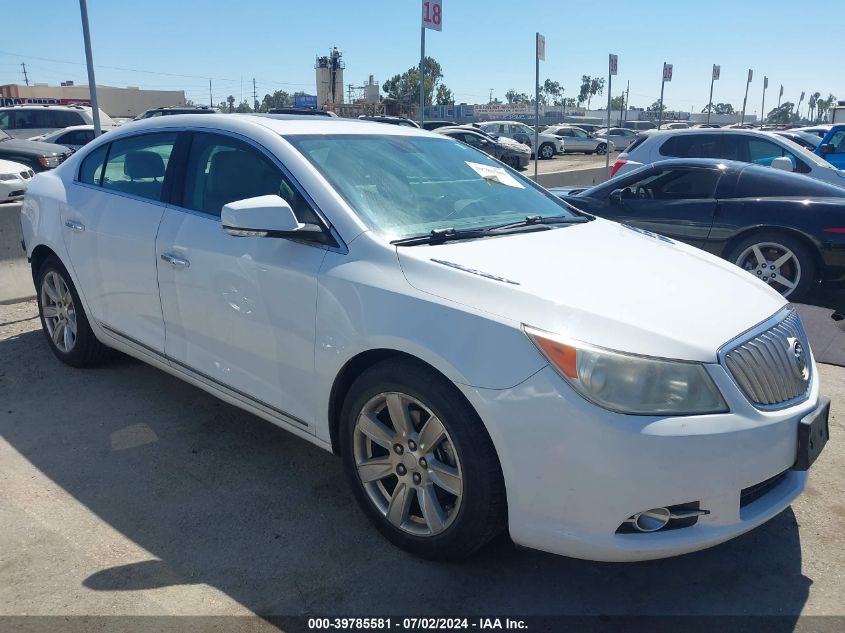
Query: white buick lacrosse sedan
480, 354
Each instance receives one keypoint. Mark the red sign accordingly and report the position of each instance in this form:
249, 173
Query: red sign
667, 72
432, 14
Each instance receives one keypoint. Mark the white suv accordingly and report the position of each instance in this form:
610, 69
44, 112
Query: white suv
406, 301
549, 143
747, 146
26, 121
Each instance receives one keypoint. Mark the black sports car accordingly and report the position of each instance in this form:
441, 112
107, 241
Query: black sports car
786, 228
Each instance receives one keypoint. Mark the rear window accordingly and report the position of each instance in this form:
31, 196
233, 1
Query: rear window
640, 140
765, 182
91, 170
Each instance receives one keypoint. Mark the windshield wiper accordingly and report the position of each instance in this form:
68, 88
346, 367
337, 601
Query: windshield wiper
529, 224
533, 220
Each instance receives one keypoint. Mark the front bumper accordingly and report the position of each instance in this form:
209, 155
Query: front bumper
575, 472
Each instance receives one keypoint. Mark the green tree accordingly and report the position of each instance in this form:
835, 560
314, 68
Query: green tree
444, 96
243, 106
781, 115
279, 99
596, 88
551, 93
584, 91
617, 103
654, 107
512, 96
812, 101
405, 88
230, 100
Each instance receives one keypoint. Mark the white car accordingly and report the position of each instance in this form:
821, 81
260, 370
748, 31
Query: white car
577, 140
747, 146
28, 120
14, 179
482, 355
549, 144
73, 137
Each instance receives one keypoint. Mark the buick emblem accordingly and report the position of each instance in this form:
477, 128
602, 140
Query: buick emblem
798, 358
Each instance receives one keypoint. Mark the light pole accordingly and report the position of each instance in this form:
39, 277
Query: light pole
713, 77
89, 59
745, 99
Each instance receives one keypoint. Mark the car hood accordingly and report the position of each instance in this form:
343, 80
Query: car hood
511, 144
600, 282
32, 148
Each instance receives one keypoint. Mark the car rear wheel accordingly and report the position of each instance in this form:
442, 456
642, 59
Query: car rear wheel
63, 318
547, 151
780, 260
420, 462
601, 150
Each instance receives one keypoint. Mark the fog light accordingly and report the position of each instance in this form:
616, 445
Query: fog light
651, 520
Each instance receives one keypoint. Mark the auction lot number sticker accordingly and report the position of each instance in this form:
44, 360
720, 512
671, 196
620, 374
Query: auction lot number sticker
416, 624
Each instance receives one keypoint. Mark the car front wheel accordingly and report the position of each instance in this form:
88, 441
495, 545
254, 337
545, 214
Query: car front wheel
547, 151
780, 260
421, 463
601, 150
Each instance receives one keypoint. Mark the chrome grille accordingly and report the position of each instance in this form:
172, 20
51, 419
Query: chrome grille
773, 366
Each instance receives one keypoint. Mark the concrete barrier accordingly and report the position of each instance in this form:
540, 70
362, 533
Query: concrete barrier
15, 276
589, 177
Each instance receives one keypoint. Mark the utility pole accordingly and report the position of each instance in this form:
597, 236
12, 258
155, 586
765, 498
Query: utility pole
763, 106
25, 77
490, 100
254, 95
713, 77
627, 100
210, 98
745, 100
612, 65
89, 58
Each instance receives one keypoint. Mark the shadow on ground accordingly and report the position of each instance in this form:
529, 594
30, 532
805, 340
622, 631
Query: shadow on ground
224, 498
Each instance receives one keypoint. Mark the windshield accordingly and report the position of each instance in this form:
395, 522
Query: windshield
804, 153
403, 186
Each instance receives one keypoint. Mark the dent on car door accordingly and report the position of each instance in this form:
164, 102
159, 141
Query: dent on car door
239, 311
677, 203
110, 222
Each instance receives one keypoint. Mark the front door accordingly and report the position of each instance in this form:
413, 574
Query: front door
110, 224
239, 311
677, 203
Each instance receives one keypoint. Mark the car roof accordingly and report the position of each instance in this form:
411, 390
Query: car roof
283, 124
729, 165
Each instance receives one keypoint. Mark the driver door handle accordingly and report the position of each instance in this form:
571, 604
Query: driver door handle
75, 226
174, 260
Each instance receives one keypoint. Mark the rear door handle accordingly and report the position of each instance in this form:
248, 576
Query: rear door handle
73, 225
174, 260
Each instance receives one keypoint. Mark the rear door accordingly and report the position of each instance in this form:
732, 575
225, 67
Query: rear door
679, 203
110, 224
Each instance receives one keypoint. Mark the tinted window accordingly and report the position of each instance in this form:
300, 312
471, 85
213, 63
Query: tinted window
64, 118
221, 170
763, 182
92, 166
838, 141
676, 184
5, 120
76, 137
137, 165
692, 146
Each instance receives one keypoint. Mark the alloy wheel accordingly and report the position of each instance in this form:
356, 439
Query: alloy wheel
601, 149
774, 263
59, 311
408, 464
547, 151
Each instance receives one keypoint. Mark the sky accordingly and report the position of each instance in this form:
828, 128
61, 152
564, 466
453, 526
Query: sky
484, 46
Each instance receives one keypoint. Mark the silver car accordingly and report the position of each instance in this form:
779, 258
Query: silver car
621, 137
577, 140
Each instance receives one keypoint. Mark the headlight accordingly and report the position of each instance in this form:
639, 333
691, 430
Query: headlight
626, 383
8, 176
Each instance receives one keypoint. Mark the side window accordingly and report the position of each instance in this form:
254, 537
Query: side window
5, 120
75, 137
763, 152
692, 146
837, 140
221, 170
677, 184
91, 170
137, 165
64, 118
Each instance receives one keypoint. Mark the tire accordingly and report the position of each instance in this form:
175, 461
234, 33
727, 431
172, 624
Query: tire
460, 483
793, 278
547, 151
589, 153
601, 150
60, 310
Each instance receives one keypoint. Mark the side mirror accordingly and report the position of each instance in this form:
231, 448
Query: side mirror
266, 216
826, 149
783, 163
616, 196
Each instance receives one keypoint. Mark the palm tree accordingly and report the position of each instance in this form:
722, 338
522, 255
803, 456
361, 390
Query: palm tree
812, 103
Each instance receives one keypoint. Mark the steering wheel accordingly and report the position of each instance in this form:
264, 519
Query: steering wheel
643, 193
